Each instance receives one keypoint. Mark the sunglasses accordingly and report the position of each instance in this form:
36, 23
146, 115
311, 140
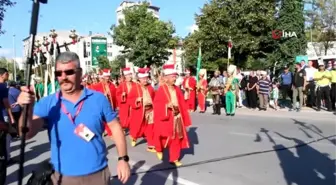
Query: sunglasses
68, 72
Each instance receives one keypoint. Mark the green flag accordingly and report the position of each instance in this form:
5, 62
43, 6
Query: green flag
199, 60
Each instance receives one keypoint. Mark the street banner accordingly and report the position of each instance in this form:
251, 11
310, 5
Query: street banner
199, 61
299, 58
98, 48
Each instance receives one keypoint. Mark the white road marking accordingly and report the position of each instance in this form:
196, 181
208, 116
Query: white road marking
179, 180
275, 138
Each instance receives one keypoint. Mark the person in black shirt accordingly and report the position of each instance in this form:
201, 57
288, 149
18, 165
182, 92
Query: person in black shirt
299, 82
252, 95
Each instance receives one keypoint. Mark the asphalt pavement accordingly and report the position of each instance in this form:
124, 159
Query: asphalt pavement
251, 148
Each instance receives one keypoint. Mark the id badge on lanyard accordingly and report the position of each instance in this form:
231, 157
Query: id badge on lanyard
81, 130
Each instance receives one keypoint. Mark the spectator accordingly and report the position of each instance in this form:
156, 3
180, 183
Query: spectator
286, 85
5, 138
299, 83
310, 85
252, 95
263, 91
323, 79
275, 95
333, 86
13, 94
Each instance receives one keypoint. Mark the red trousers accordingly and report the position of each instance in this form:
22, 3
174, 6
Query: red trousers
137, 131
173, 145
108, 130
201, 101
149, 134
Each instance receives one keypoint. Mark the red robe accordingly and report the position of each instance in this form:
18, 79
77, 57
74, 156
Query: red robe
189, 85
138, 124
201, 94
111, 96
124, 107
165, 133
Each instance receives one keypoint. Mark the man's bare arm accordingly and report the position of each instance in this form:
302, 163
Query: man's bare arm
34, 124
8, 108
118, 136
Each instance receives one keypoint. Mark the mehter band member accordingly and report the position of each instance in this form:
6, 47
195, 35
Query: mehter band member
216, 88
231, 86
108, 89
141, 99
189, 86
123, 90
171, 117
202, 90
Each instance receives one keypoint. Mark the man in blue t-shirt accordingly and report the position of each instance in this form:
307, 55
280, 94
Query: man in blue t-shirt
75, 117
286, 85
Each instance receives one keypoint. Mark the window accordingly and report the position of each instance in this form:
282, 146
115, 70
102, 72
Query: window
88, 54
109, 45
88, 44
109, 54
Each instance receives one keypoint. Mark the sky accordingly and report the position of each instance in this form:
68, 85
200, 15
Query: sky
84, 16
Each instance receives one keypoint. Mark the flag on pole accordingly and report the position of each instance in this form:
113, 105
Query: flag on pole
229, 48
199, 60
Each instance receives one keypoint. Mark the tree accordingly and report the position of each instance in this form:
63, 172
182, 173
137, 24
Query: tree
117, 64
248, 24
103, 62
144, 38
3, 6
291, 19
322, 21
4, 63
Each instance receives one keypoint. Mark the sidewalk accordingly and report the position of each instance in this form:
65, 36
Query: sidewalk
270, 109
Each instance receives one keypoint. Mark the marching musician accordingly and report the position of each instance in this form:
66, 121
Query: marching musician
109, 90
231, 89
202, 90
122, 93
171, 118
216, 88
141, 99
189, 86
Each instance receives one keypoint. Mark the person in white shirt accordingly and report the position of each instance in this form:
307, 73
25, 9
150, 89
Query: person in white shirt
310, 88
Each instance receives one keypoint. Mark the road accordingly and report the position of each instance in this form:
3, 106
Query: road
248, 149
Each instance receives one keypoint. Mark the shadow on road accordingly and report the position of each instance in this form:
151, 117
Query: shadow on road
33, 153
133, 179
307, 167
17, 147
151, 178
193, 140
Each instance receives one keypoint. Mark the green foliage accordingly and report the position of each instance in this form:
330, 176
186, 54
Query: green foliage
291, 19
321, 21
117, 64
4, 63
145, 39
103, 62
248, 24
3, 6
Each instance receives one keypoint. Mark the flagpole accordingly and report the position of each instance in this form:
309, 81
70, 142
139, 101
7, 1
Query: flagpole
229, 52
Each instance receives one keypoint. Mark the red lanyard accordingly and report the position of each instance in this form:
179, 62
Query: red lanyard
72, 119
65, 111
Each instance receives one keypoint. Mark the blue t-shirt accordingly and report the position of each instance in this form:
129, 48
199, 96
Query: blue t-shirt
13, 95
70, 154
3, 95
286, 78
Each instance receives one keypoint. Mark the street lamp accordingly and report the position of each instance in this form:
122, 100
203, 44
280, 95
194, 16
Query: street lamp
14, 60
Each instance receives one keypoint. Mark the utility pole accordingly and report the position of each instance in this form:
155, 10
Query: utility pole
14, 59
